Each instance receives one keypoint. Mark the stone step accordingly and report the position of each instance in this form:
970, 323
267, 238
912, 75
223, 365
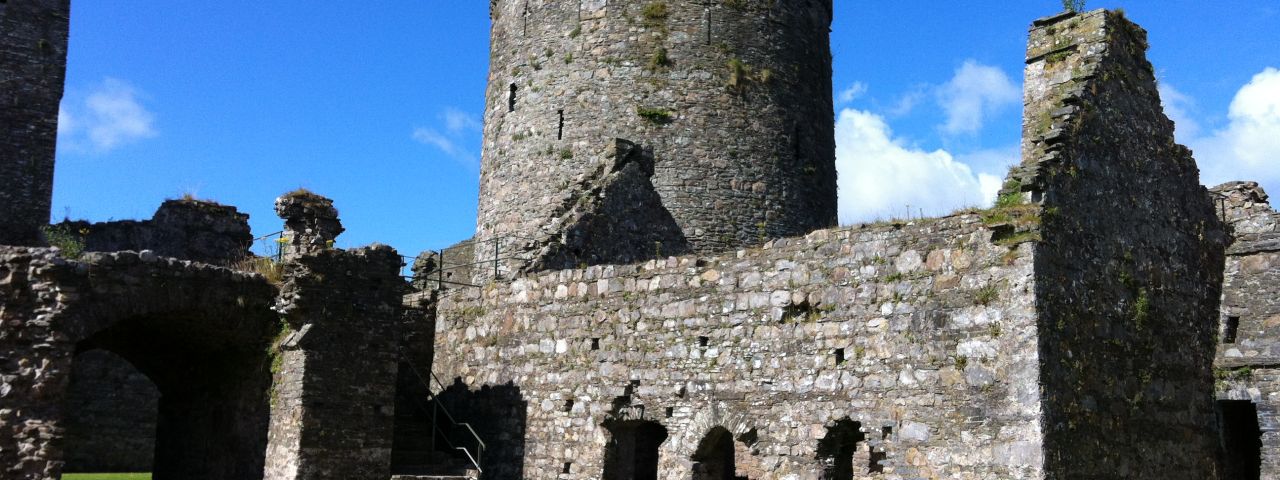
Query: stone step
468, 475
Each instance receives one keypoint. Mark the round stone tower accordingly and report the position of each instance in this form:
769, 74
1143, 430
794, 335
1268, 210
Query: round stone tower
724, 106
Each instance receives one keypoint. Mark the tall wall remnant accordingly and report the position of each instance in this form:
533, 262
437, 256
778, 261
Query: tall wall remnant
333, 403
732, 99
1249, 337
195, 230
1065, 333
1130, 261
33, 63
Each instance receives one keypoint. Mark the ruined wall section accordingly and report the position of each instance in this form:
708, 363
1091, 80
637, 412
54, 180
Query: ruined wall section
1250, 326
1249, 332
199, 332
194, 230
34, 379
112, 420
924, 333
333, 403
33, 63
732, 98
1129, 265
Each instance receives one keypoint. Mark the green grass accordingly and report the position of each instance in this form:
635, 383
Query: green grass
106, 476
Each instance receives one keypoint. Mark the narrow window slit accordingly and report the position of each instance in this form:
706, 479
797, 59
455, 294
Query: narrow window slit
839, 353
567, 467
525, 16
1230, 330
511, 101
708, 24
671, 411
595, 344
560, 132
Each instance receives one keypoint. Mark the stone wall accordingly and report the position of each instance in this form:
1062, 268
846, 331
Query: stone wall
33, 62
1129, 267
188, 229
201, 333
333, 403
733, 99
924, 334
1065, 333
455, 265
1249, 332
111, 415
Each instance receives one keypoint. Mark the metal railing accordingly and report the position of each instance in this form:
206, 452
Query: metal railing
1220, 199
503, 253
436, 409
271, 245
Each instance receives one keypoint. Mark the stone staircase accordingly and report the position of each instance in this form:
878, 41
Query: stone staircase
421, 449
433, 465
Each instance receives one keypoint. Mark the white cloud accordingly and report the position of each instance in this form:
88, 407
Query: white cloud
975, 92
1178, 107
879, 176
852, 93
908, 102
111, 115
1248, 147
459, 129
431, 137
458, 121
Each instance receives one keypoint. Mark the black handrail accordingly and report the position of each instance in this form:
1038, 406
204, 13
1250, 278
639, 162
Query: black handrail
444, 265
437, 407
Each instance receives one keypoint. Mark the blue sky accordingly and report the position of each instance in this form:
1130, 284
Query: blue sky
377, 104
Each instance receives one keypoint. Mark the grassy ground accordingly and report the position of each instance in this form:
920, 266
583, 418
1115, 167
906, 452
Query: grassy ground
106, 476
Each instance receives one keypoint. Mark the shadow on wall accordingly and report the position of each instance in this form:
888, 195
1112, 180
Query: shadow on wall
632, 451
212, 413
499, 415
111, 415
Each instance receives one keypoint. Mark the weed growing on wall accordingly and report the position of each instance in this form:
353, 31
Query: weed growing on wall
68, 241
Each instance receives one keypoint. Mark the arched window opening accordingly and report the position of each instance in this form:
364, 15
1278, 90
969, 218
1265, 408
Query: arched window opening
632, 452
838, 452
714, 459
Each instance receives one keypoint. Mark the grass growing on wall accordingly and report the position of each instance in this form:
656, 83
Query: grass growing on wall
106, 476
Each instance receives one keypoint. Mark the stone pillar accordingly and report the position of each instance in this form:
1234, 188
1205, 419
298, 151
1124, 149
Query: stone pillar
33, 63
35, 365
334, 395
310, 223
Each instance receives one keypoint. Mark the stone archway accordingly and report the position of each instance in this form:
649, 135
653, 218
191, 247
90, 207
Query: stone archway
200, 333
714, 458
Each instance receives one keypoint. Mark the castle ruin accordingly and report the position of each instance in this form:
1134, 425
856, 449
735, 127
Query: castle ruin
669, 298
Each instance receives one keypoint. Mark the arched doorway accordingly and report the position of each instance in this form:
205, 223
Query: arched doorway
213, 376
838, 451
632, 452
714, 459
1241, 439
201, 334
